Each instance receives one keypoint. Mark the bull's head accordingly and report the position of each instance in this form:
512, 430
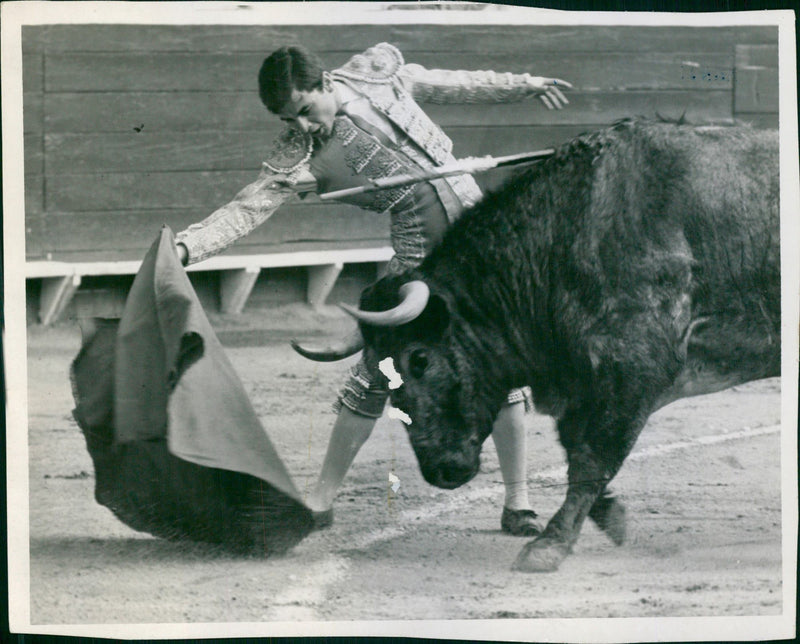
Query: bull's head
442, 391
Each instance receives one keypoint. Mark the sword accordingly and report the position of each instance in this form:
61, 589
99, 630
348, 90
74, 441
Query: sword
468, 165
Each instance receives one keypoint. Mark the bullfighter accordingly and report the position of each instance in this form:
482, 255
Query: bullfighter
349, 126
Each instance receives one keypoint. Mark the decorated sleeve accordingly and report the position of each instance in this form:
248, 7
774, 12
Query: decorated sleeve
251, 207
461, 86
287, 159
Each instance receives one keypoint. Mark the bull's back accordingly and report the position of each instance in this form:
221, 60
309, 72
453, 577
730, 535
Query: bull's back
680, 227
631, 223
727, 200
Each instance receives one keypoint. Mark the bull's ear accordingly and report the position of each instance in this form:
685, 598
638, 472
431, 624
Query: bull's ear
435, 319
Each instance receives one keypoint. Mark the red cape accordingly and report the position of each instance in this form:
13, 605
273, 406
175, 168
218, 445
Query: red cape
178, 448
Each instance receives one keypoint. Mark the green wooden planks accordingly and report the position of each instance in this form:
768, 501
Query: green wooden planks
297, 227
756, 79
153, 150
34, 194
35, 237
131, 123
151, 72
33, 113
757, 55
192, 111
161, 71
222, 149
756, 89
156, 111
34, 154
140, 190
592, 108
32, 73
479, 40
157, 152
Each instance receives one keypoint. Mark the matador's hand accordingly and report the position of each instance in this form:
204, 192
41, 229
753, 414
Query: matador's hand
300, 180
549, 91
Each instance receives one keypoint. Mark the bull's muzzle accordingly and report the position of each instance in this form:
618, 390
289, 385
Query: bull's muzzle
450, 472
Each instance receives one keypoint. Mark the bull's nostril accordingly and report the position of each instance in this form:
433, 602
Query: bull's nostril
454, 473
474, 440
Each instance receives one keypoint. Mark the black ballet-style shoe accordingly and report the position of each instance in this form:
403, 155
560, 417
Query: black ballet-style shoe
520, 523
323, 519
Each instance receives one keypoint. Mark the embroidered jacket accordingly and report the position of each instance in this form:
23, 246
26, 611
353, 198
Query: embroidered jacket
393, 89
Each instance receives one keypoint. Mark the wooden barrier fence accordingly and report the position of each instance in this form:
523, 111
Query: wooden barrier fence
128, 127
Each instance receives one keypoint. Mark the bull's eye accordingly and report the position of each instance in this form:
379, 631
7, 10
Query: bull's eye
417, 363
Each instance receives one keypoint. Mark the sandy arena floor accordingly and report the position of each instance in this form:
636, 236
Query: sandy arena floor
702, 490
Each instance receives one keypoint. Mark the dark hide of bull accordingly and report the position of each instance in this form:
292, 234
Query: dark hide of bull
638, 265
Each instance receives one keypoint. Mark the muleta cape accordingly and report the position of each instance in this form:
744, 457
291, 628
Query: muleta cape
178, 449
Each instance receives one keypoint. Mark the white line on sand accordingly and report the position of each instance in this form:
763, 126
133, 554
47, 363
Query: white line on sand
305, 592
299, 599
423, 514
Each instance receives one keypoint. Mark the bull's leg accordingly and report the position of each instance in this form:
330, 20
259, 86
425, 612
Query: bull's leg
609, 515
587, 478
592, 462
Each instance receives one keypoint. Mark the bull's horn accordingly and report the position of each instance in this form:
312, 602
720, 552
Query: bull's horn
340, 349
415, 296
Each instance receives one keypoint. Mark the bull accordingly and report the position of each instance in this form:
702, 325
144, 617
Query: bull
638, 265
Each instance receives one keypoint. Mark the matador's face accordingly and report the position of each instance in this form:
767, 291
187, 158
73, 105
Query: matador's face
313, 111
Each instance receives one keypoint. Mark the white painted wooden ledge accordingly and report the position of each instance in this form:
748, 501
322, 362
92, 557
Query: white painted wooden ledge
60, 280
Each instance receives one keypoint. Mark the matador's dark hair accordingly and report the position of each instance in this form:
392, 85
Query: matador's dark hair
287, 68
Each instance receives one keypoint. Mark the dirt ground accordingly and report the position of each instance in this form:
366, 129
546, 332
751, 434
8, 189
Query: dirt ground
702, 490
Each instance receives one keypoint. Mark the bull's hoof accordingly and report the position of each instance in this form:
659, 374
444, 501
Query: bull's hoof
541, 555
609, 515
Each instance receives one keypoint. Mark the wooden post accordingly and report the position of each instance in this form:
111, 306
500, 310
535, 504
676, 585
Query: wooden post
755, 93
56, 294
235, 287
320, 282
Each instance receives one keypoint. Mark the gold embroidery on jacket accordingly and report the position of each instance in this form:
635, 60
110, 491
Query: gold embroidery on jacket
366, 157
